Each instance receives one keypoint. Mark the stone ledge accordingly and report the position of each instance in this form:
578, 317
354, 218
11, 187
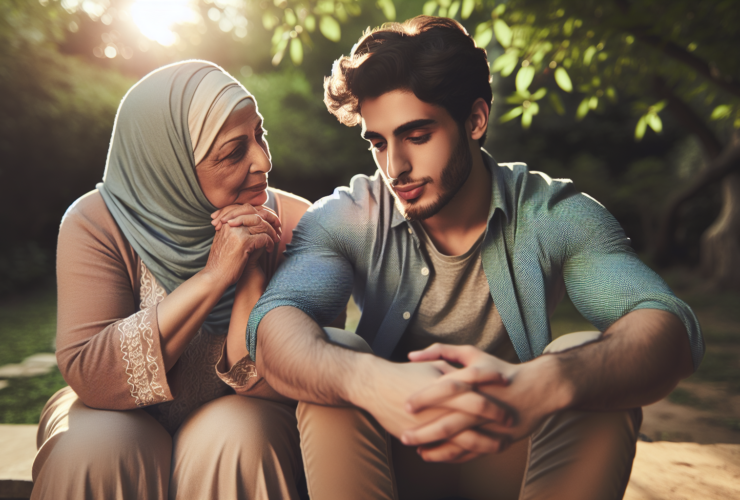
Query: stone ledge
17, 450
662, 470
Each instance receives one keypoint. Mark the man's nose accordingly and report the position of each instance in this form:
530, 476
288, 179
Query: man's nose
397, 163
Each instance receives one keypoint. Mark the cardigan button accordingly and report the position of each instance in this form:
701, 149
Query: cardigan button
406, 315
425, 271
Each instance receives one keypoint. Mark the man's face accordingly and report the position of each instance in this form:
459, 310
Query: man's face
422, 153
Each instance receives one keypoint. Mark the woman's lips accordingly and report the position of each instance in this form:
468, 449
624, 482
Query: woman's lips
258, 187
409, 193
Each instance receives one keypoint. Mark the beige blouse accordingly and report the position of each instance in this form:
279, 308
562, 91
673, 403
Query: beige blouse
108, 342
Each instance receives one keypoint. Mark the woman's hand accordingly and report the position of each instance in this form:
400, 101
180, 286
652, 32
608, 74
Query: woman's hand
243, 232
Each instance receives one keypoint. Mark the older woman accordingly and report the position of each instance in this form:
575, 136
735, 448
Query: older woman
157, 272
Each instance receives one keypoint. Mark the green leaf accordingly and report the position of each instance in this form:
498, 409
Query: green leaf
557, 104
524, 77
655, 122
526, 119
539, 94
503, 32
289, 17
269, 20
563, 80
659, 106
483, 36
511, 114
310, 23
279, 51
588, 55
296, 51
640, 128
467, 8
329, 27
534, 108
611, 93
720, 112
429, 8
453, 9
505, 61
388, 8
582, 110
593, 102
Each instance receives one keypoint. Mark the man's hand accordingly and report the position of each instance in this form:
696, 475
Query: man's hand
497, 402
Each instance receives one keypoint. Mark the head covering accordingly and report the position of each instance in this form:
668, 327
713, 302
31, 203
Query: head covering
150, 186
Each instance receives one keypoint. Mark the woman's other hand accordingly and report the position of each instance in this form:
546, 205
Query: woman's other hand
241, 237
233, 215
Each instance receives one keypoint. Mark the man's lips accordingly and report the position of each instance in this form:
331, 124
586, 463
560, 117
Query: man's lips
409, 191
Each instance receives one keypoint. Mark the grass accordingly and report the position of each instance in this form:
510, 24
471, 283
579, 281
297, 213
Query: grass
27, 326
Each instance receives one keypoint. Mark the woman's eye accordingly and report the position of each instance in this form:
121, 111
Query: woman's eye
237, 153
420, 139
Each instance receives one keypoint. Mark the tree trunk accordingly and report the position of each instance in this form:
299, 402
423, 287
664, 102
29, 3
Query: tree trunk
720, 244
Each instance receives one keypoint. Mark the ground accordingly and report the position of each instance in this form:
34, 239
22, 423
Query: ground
705, 408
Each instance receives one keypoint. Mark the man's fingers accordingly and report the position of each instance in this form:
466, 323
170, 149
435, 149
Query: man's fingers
441, 429
479, 405
447, 452
463, 354
444, 367
436, 394
479, 373
474, 441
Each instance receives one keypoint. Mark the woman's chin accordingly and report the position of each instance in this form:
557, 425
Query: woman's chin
254, 198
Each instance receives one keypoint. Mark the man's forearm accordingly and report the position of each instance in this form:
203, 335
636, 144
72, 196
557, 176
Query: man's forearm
297, 360
638, 361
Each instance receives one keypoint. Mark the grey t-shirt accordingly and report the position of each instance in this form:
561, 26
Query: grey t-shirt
457, 307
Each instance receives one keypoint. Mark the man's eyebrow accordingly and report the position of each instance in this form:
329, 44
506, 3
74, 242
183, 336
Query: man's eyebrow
412, 125
368, 134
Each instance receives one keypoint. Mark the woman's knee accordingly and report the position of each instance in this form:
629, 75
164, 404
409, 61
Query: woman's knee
347, 339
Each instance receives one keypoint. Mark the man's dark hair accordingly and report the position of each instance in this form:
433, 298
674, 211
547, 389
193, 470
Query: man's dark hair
433, 57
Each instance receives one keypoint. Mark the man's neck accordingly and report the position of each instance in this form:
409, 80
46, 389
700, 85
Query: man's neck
459, 224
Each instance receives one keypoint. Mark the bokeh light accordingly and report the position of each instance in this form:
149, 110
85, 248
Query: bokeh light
156, 18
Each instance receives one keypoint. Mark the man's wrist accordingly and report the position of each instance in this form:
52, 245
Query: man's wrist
360, 386
561, 388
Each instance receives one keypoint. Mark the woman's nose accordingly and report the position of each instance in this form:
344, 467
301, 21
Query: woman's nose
263, 163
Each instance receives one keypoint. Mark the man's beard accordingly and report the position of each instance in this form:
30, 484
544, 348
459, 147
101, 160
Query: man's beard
453, 177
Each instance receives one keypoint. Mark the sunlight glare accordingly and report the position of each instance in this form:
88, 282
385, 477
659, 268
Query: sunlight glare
156, 18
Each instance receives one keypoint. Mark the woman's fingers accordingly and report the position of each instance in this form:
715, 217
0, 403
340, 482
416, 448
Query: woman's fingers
232, 211
256, 225
271, 218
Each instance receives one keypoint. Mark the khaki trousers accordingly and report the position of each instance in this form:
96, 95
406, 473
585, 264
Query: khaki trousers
247, 448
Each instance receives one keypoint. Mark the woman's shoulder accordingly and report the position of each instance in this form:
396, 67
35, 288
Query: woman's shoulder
293, 207
88, 221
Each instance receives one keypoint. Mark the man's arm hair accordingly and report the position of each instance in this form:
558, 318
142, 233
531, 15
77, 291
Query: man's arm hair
637, 361
298, 361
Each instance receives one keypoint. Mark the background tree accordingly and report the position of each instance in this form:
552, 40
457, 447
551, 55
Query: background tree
662, 57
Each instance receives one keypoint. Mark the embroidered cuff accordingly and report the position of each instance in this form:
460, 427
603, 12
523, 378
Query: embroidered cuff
142, 358
242, 375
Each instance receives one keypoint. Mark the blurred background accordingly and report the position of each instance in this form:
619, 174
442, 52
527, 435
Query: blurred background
637, 101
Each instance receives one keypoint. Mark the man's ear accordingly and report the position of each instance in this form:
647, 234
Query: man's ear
478, 119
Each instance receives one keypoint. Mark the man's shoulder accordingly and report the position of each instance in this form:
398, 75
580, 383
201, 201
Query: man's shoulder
534, 191
359, 202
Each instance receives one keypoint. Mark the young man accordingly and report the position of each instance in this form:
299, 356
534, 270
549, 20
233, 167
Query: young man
449, 253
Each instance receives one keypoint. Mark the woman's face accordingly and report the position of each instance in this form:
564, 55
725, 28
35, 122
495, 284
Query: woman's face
235, 169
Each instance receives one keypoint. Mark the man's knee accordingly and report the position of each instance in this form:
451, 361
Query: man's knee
347, 339
571, 340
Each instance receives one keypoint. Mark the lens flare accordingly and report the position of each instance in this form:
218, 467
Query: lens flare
156, 18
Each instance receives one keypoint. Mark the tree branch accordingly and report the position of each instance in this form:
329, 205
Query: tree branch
686, 116
726, 163
675, 51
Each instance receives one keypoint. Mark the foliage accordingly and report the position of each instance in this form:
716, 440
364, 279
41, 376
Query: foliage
611, 47
55, 120
311, 153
